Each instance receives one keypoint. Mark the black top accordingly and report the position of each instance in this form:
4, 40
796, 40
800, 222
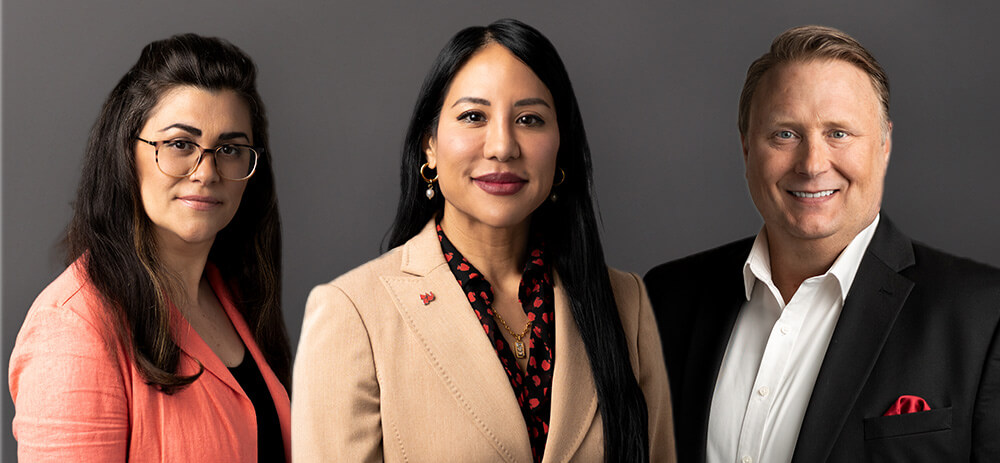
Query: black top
270, 446
533, 389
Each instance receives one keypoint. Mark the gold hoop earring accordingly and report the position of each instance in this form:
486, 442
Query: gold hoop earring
562, 178
430, 181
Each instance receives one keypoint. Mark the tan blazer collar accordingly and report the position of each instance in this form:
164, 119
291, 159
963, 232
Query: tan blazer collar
465, 359
422, 253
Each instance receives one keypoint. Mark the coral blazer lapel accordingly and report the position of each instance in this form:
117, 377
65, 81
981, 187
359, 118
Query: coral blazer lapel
191, 343
454, 344
279, 395
869, 312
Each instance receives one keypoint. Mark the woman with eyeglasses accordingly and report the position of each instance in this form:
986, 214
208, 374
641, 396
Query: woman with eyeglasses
163, 340
493, 329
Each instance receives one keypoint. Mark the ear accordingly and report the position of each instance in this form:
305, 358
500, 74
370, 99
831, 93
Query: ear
744, 145
887, 143
430, 150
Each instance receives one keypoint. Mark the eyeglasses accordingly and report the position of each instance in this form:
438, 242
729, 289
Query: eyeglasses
180, 158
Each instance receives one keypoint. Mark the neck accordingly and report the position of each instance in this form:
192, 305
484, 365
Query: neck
794, 260
498, 253
185, 262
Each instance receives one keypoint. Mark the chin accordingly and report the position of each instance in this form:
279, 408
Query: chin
813, 229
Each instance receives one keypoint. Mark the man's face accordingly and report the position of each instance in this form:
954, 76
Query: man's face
815, 152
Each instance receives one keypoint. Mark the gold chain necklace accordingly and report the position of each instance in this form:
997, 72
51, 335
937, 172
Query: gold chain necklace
519, 350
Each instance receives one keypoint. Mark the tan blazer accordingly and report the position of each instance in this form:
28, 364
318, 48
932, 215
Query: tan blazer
380, 376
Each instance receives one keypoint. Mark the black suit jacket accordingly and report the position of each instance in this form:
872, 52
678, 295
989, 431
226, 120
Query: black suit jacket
915, 322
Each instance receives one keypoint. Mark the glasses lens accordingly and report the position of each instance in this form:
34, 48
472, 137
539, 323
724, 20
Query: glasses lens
235, 162
177, 157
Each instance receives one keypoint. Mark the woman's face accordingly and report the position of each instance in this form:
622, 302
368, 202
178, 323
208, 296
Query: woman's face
191, 210
496, 141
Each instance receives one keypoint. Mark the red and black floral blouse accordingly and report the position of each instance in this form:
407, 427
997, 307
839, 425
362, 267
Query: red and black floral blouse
533, 389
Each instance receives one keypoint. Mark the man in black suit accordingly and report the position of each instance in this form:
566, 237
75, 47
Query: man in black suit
830, 336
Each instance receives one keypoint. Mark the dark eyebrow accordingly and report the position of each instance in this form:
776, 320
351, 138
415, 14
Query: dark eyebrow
532, 101
227, 136
184, 127
473, 100
233, 135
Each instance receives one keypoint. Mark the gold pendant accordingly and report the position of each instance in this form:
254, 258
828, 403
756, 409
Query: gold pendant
519, 350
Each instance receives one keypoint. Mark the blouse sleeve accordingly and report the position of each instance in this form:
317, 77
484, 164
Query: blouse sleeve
69, 390
335, 399
653, 381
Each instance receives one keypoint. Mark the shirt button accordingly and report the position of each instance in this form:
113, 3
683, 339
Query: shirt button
784, 330
747, 459
763, 393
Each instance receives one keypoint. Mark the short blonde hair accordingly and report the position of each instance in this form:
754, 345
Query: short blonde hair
808, 43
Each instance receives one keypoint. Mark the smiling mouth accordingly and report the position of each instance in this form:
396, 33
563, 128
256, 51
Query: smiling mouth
818, 194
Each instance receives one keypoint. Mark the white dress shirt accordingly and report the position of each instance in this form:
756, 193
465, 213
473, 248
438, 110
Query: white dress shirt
774, 355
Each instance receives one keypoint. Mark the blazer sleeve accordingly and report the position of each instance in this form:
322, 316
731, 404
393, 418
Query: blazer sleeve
335, 400
653, 381
69, 390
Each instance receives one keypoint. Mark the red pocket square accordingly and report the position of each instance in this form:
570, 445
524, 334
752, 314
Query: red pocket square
907, 404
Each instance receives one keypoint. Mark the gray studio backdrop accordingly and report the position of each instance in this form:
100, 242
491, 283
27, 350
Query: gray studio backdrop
657, 82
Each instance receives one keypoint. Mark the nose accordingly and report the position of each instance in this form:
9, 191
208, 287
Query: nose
500, 142
813, 157
206, 171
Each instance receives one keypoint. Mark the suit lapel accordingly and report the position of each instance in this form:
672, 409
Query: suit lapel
191, 343
279, 395
455, 345
574, 398
712, 330
869, 312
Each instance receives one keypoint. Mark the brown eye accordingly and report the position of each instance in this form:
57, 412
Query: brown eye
181, 145
472, 116
530, 120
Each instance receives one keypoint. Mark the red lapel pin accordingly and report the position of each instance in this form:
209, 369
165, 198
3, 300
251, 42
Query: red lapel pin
427, 298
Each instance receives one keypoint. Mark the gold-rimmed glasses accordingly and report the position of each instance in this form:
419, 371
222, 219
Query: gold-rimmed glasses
180, 158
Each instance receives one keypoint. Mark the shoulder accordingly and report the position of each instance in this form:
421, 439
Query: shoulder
365, 277
630, 297
949, 268
626, 285
704, 266
939, 275
360, 290
71, 299
68, 327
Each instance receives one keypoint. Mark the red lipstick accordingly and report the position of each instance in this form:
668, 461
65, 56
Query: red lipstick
500, 183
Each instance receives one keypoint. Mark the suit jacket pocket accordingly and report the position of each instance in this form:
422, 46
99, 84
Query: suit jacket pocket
881, 427
922, 437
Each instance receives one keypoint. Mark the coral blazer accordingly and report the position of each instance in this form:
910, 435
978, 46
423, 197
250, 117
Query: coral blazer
381, 376
78, 397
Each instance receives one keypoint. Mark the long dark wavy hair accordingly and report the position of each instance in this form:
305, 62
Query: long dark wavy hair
113, 238
569, 224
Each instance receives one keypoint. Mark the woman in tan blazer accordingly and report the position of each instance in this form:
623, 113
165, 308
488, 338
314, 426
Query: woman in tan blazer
493, 330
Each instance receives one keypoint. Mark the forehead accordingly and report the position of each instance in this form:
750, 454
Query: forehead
821, 86
494, 70
222, 109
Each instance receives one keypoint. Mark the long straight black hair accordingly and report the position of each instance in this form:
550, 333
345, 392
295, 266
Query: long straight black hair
113, 238
569, 224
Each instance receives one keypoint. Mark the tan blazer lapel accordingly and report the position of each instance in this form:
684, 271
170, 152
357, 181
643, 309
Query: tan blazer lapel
456, 347
574, 398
